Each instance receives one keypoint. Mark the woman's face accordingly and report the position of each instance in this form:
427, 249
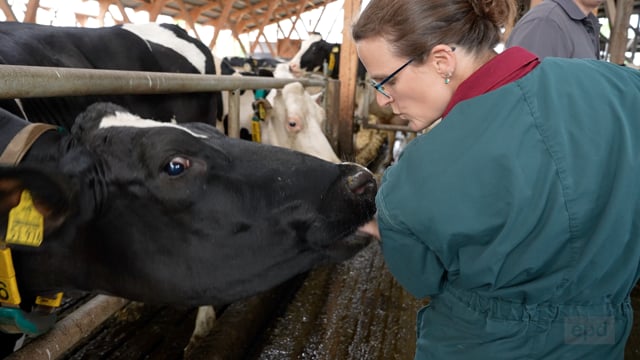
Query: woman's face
418, 93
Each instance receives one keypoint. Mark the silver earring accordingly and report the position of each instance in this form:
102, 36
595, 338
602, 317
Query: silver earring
447, 78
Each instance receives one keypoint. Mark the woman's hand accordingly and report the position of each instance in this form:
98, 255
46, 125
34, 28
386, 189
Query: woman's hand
371, 228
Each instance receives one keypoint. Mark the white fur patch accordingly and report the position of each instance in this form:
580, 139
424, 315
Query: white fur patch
159, 35
121, 119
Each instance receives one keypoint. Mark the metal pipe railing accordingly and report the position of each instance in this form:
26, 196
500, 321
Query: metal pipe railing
17, 81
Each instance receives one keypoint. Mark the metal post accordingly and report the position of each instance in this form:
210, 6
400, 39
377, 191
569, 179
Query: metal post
234, 114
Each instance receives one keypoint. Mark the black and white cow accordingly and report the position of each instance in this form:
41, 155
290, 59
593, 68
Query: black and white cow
252, 64
314, 52
143, 47
175, 213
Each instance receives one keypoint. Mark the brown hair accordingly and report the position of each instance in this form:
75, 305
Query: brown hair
414, 27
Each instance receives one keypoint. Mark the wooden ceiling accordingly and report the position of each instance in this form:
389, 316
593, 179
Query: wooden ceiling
239, 16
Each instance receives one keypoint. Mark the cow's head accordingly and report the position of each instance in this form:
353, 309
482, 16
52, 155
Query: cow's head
295, 64
179, 214
296, 121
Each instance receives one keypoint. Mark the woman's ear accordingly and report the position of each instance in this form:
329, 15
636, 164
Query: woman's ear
444, 60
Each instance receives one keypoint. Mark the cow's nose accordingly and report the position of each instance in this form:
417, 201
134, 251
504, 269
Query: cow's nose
361, 181
293, 67
294, 124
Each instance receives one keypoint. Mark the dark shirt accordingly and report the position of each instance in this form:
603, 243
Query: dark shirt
557, 28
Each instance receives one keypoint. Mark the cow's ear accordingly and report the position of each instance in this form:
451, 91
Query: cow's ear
27, 189
267, 106
318, 97
89, 120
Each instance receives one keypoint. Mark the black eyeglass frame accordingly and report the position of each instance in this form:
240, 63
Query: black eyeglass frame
379, 86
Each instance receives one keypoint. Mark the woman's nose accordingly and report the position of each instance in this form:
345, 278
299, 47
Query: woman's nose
383, 100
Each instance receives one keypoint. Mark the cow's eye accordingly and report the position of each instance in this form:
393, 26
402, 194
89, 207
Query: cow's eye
177, 166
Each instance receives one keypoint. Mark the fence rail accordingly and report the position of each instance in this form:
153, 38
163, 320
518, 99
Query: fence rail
17, 81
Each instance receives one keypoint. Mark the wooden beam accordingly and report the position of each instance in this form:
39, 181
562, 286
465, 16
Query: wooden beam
241, 25
618, 38
125, 17
348, 78
237, 36
287, 46
610, 11
238, 20
264, 18
319, 18
187, 18
196, 11
156, 9
82, 19
298, 11
254, 44
252, 13
104, 7
8, 12
226, 9
32, 10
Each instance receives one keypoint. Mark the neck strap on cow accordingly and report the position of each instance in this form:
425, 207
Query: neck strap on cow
25, 227
22, 142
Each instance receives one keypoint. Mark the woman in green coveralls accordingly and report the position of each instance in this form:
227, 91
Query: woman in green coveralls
518, 213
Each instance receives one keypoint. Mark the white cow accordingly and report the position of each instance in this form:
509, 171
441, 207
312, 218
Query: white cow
296, 121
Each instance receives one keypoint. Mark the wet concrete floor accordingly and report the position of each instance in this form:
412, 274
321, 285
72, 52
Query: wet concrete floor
354, 310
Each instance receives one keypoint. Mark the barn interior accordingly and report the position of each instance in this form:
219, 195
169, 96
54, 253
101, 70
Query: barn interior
352, 310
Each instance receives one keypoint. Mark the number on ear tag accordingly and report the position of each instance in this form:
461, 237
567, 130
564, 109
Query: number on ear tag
26, 224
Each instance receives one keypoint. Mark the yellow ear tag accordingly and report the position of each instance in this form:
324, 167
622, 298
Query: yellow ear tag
332, 61
256, 135
26, 224
49, 301
8, 285
262, 112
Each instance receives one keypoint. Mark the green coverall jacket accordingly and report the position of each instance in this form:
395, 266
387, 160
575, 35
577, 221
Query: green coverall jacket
519, 215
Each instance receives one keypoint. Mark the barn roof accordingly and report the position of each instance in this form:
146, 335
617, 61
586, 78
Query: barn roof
240, 16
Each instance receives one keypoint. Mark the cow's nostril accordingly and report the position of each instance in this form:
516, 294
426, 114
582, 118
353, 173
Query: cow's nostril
359, 182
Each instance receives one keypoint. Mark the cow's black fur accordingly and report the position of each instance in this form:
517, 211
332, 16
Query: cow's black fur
111, 48
319, 52
160, 216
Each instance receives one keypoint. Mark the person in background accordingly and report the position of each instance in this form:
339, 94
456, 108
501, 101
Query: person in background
518, 214
559, 28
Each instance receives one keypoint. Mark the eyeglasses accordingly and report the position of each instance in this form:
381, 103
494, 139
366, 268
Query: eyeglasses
380, 86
